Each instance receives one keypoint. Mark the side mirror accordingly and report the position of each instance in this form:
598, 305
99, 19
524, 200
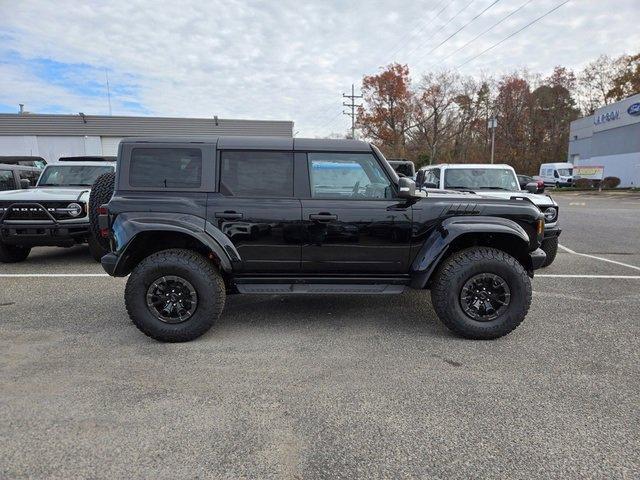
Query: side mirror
406, 187
420, 178
531, 187
25, 183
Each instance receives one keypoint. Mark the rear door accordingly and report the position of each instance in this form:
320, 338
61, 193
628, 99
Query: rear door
352, 221
256, 209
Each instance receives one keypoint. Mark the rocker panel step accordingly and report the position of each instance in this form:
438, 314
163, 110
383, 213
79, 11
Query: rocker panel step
318, 288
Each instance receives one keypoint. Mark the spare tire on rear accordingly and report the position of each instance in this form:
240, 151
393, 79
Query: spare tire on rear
101, 193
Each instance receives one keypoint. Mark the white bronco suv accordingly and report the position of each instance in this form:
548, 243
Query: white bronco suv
493, 181
54, 212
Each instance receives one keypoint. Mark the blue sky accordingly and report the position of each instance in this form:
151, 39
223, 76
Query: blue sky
285, 60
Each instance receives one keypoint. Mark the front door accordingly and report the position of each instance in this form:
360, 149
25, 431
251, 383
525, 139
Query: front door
255, 209
353, 224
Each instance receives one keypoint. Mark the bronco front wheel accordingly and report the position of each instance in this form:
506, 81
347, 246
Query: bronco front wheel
481, 293
174, 295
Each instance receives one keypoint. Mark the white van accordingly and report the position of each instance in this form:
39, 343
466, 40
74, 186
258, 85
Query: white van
557, 174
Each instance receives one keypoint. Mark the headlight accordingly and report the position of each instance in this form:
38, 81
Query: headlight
550, 214
75, 209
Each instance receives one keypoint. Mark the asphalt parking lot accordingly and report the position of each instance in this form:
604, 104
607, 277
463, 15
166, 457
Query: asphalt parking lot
330, 386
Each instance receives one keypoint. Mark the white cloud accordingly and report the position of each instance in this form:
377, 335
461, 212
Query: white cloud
279, 60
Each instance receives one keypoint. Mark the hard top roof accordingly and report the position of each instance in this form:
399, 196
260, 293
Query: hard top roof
88, 158
468, 165
262, 143
81, 164
10, 166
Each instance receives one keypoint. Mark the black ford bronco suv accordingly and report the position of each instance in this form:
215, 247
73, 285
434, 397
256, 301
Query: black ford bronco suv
191, 221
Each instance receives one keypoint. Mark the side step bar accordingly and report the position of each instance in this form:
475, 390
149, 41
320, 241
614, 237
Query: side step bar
317, 288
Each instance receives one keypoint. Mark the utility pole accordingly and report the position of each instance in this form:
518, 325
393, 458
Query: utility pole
353, 106
492, 124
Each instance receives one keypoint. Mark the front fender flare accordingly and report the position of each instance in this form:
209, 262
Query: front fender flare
439, 241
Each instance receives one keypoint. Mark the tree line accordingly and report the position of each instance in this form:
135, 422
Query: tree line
443, 117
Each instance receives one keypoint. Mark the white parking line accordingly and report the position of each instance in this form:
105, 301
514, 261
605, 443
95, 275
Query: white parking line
568, 250
50, 275
549, 275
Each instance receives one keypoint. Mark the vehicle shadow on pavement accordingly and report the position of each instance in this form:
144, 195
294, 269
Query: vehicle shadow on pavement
410, 312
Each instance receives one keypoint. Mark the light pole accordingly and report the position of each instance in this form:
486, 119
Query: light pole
492, 124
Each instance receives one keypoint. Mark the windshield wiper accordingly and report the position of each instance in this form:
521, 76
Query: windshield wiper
495, 188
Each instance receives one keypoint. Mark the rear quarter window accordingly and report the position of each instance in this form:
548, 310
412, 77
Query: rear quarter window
166, 168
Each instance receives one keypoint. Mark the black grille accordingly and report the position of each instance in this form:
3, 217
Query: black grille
34, 211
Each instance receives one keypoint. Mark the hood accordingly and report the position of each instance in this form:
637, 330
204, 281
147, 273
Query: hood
538, 199
43, 194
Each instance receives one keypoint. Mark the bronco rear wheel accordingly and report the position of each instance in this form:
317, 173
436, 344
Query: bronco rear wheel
101, 193
481, 293
13, 253
174, 295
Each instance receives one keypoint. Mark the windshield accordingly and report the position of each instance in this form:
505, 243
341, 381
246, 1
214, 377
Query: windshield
480, 178
565, 172
72, 175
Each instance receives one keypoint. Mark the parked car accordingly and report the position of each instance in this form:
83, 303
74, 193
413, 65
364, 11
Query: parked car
495, 181
25, 161
170, 226
53, 213
525, 180
15, 177
403, 167
557, 174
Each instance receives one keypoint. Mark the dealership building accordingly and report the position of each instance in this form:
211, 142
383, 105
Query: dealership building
610, 138
55, 136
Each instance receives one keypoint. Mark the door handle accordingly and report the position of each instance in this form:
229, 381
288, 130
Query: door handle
322, 217
228, 215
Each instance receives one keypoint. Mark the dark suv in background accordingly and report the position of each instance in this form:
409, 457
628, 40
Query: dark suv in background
193, 220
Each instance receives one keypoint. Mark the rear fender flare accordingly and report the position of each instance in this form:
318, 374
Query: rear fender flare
128, 226
437, 245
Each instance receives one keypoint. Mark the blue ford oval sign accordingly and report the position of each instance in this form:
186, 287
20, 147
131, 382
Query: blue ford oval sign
634, 109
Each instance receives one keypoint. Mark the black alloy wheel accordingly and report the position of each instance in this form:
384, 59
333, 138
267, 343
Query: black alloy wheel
172, 299
484, 297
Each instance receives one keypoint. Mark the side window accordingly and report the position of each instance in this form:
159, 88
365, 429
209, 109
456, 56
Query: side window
256, 174
433, 176
30, 175
348, 176
166, 168
6, 180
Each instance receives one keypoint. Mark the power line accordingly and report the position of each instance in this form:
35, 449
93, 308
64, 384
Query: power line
513, 34
443, 26
335, 117
329, 115
353, 106
421, 29
459, 30
486, 31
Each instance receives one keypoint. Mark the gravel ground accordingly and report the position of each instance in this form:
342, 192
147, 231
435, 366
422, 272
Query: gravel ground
329, 386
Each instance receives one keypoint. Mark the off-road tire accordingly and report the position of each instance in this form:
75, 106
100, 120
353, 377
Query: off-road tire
550, 247
101, 193
194, 268
96, 249
13, 253
461, 266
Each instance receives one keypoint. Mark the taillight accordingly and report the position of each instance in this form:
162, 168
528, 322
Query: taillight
103, 221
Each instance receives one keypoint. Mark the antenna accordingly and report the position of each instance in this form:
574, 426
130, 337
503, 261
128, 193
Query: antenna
106, 74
